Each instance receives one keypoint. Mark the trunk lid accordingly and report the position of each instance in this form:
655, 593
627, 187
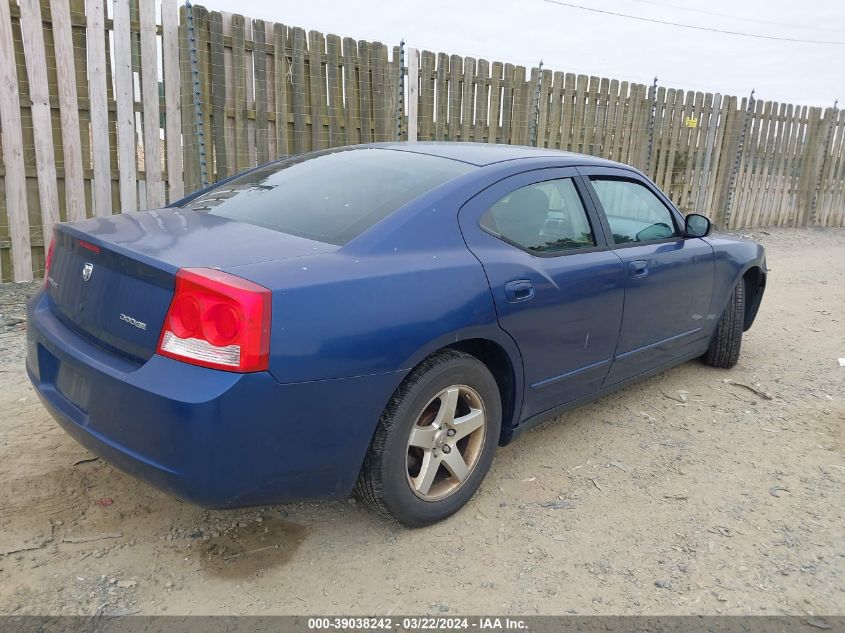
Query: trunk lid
112, 278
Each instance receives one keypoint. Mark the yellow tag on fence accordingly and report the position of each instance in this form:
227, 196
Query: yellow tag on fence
691, 122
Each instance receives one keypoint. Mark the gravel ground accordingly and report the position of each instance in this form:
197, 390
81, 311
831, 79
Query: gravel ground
700, 491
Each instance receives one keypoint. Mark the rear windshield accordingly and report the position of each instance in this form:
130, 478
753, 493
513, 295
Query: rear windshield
329, 197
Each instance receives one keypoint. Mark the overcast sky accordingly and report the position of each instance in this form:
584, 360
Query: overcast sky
574, 40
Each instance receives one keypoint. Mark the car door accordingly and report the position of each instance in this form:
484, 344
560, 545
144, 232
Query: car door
557, 287
668, 278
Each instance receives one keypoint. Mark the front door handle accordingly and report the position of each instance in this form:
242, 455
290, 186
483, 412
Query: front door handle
637, 268
519, 290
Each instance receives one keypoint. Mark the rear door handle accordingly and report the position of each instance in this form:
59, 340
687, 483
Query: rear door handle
519, 290
637, 268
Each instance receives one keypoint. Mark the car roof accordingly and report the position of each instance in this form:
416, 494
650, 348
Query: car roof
481, 154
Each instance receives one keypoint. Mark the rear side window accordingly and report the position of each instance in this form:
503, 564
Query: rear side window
544, 218
634, 213
329, 197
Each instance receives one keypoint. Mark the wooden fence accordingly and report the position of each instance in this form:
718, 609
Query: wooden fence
108, 107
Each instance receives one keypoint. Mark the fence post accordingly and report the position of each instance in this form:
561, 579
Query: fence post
413, 92
535, 108
199, 123
400, 97
652, 97
737, 157
13, 158
831, 123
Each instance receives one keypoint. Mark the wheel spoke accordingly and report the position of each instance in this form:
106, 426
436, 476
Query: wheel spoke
455, 464
422, 437
448, 404
468, 423
428, 470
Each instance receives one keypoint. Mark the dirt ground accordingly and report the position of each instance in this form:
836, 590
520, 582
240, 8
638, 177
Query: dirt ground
685, 494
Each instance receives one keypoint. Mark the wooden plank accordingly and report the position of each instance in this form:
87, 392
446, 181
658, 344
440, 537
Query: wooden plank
590, 116
455, 72
580, 115
69, 110
467, 98
218, 96
124, 94
262, 126
352, 112
151, 115
547, 77
242, 159
364, 91
428, 63
42, 127
523, 95
482, 100
172, 119
229, 82
493, 131
383, 122
190, 144
441, 97
612, 121
98, 107
413, 61
567, 116
602, 96
249, 77
300, 141
692, 145
335, 89
283, 88
553, 135
674, 140
13, 158
395, 122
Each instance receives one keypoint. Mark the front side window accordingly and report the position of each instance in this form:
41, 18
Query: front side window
634, 213
545, 218
331, 196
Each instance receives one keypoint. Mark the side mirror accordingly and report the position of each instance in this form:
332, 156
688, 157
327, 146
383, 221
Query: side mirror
696, 225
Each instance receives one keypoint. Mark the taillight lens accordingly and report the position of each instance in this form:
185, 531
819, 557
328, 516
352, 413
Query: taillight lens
217, 320
49, 259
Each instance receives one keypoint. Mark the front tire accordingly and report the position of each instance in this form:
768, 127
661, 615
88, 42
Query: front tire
727, 340
435, 441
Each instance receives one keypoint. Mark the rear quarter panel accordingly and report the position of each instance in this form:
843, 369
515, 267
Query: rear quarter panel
384, 301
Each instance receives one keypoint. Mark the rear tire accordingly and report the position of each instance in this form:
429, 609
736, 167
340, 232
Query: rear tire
727, 340
424, 462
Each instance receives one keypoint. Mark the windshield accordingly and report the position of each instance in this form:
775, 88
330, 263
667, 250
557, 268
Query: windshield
330, 197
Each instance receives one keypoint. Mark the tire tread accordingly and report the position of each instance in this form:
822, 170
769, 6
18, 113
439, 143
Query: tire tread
725, 347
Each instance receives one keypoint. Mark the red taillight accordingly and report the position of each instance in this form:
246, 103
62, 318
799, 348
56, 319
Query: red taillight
217, 320
49, 259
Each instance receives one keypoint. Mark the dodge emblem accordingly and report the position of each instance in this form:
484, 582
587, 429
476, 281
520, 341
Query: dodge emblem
87, 269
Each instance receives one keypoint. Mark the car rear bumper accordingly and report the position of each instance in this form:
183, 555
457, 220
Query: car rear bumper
214, 438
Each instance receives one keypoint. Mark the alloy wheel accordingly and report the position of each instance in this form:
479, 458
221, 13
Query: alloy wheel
446, 442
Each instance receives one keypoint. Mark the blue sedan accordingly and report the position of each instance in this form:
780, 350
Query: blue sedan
374, 318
